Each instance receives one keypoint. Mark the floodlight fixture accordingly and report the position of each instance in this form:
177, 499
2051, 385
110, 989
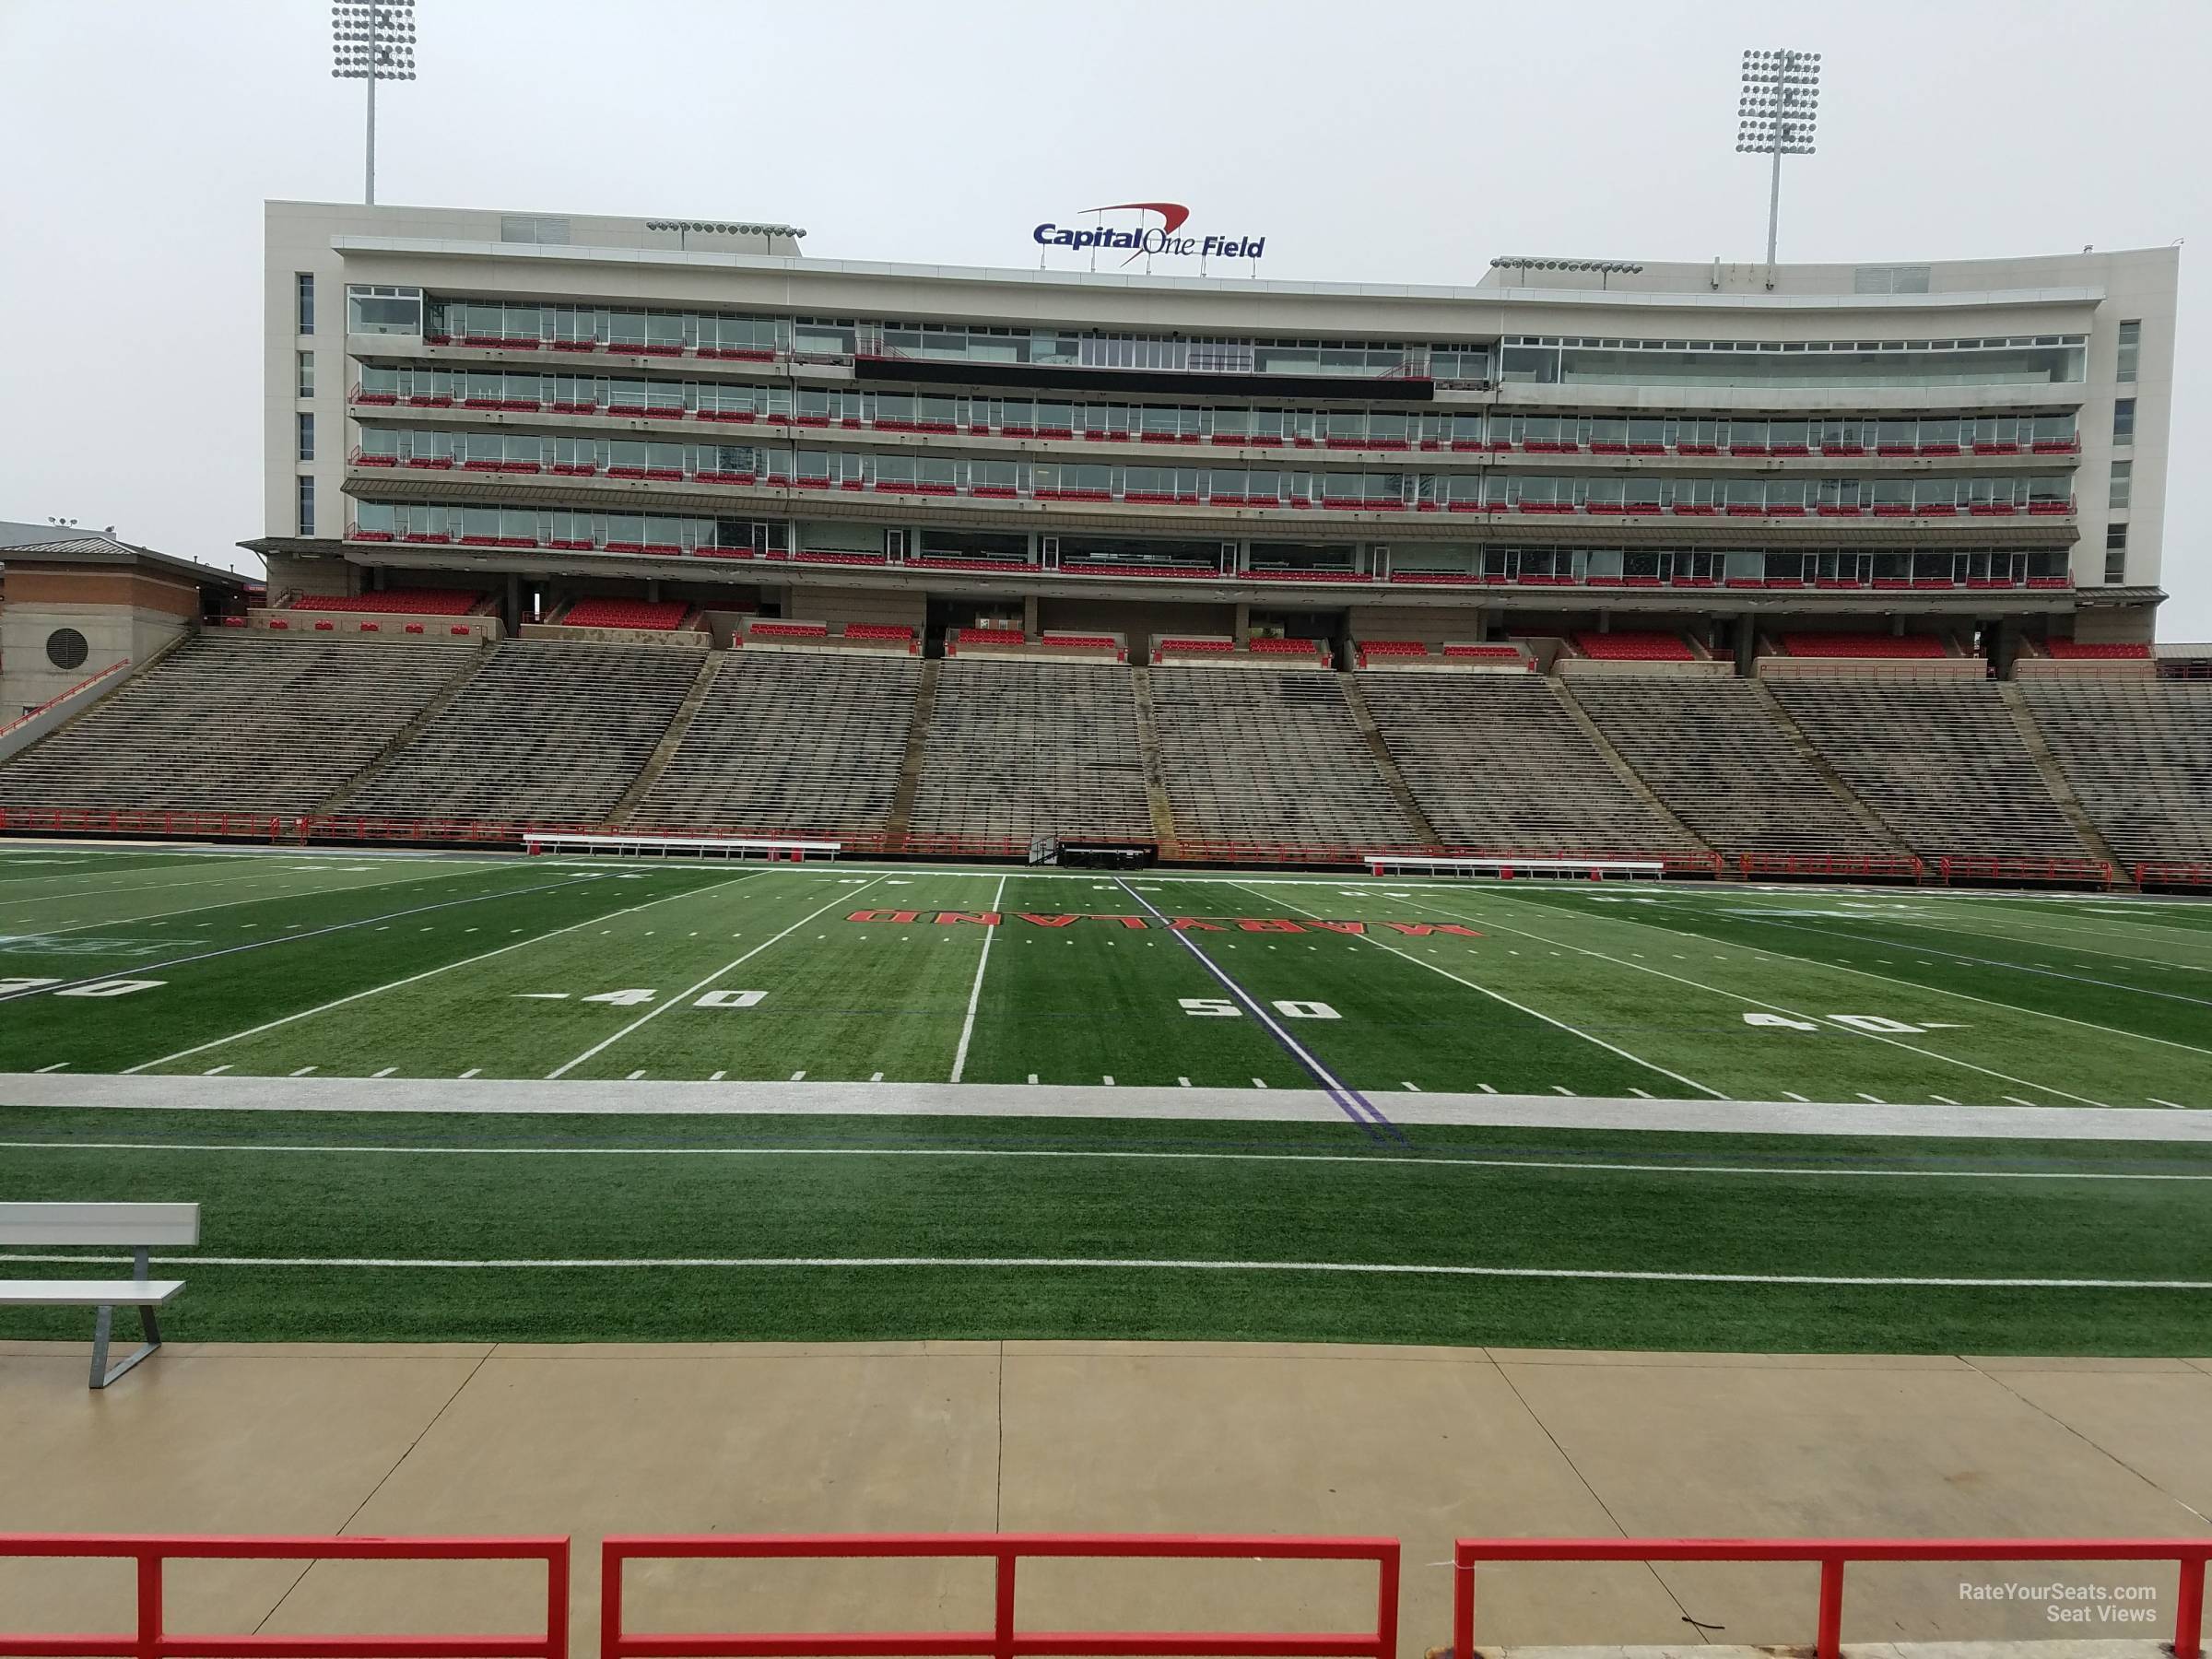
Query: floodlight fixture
687, 228
372, 41
1778, 114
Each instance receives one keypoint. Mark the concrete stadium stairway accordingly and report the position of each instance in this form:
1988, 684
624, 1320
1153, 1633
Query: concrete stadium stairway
671, 740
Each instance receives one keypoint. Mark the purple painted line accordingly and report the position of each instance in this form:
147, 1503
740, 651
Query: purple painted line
1349, 1101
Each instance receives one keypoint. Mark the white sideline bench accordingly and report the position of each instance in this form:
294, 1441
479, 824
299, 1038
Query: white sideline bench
536, 841
1596, 869
138, 1226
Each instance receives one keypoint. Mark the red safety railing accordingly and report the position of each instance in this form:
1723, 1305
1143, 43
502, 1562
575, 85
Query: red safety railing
62, 697
152, 1638
1004, 1639
1832, 866
2175, 875
2069, 872
1831, 1554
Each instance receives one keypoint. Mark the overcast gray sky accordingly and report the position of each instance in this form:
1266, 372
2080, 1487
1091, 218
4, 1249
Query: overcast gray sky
1390, 142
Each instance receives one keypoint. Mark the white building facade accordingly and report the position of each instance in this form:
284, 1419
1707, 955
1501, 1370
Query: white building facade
535, 403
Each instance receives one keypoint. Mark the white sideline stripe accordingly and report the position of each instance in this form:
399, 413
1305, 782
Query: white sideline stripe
1155, 1264
975, 992
428, 973
835, 900
1509, 1002
1911, 1048
1322, 1158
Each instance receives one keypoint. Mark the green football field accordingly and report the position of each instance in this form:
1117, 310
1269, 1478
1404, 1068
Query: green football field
1383, 1208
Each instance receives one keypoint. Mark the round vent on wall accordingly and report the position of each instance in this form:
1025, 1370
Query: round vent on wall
66, 648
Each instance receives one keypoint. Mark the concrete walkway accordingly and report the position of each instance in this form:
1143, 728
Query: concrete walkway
606, 1097
1422, 1444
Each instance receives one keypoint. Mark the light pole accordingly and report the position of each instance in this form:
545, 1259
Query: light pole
1776, 117
372, 41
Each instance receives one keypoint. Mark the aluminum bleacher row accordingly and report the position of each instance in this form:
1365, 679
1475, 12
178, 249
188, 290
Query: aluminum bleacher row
1272, 754
228, 720
1266, 755
1711, 750
1496, 761
2138, 755
548, 732
787, 741
1018, 748
1942, 762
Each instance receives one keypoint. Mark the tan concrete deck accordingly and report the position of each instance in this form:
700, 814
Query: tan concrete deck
1420, 1443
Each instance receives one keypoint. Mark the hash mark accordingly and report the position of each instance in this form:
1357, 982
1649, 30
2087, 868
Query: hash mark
1109, 1080
1259, 1082
718, 1077
636, 1075
216, 1071
1183, 1082
2015, 1099
797, 1076
1796, 1096
57, 1065
385, 1073
303, 1071
1872, 1100
1945, 1098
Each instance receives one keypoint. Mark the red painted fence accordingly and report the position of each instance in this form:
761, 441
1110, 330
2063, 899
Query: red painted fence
1004, 1639
152, 1640
1832, 1555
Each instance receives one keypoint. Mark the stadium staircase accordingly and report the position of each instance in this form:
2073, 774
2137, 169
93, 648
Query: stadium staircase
342, 796
1386, 763
898, 825
1498, 762
1268, 757
1621, 769
798, 742
672, 739
1872, 822
1147, 743
228, 722
551, 732
1016, 750
2058, 783
1941, 759
2137, 754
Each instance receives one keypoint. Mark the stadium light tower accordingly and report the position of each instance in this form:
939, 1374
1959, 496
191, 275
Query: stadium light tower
372, 41
1776, 116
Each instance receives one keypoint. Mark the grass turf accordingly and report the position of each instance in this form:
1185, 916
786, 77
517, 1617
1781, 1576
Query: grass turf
457, 1188
441, 968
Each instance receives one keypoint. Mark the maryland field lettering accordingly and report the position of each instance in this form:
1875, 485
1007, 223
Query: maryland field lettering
1260, 925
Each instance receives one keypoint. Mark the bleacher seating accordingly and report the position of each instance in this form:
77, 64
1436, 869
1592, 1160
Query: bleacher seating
1020, 749
412, 601
2138, 755
550, 732
881, 633
1269, 755
958, 639
1635, 646
1861, 645
2089, 650
1498, 763
1710, 749
1366, 649
1491, 653
1942, 762
798, 631
790, 741
237, 721
664, 616
1312, 649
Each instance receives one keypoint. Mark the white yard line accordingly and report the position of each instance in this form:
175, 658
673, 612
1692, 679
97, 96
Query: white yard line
1151, 1264
836, 899
426, 974
975, 992
1509, 1002
260, 896
1792, 1170
1771, 1007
